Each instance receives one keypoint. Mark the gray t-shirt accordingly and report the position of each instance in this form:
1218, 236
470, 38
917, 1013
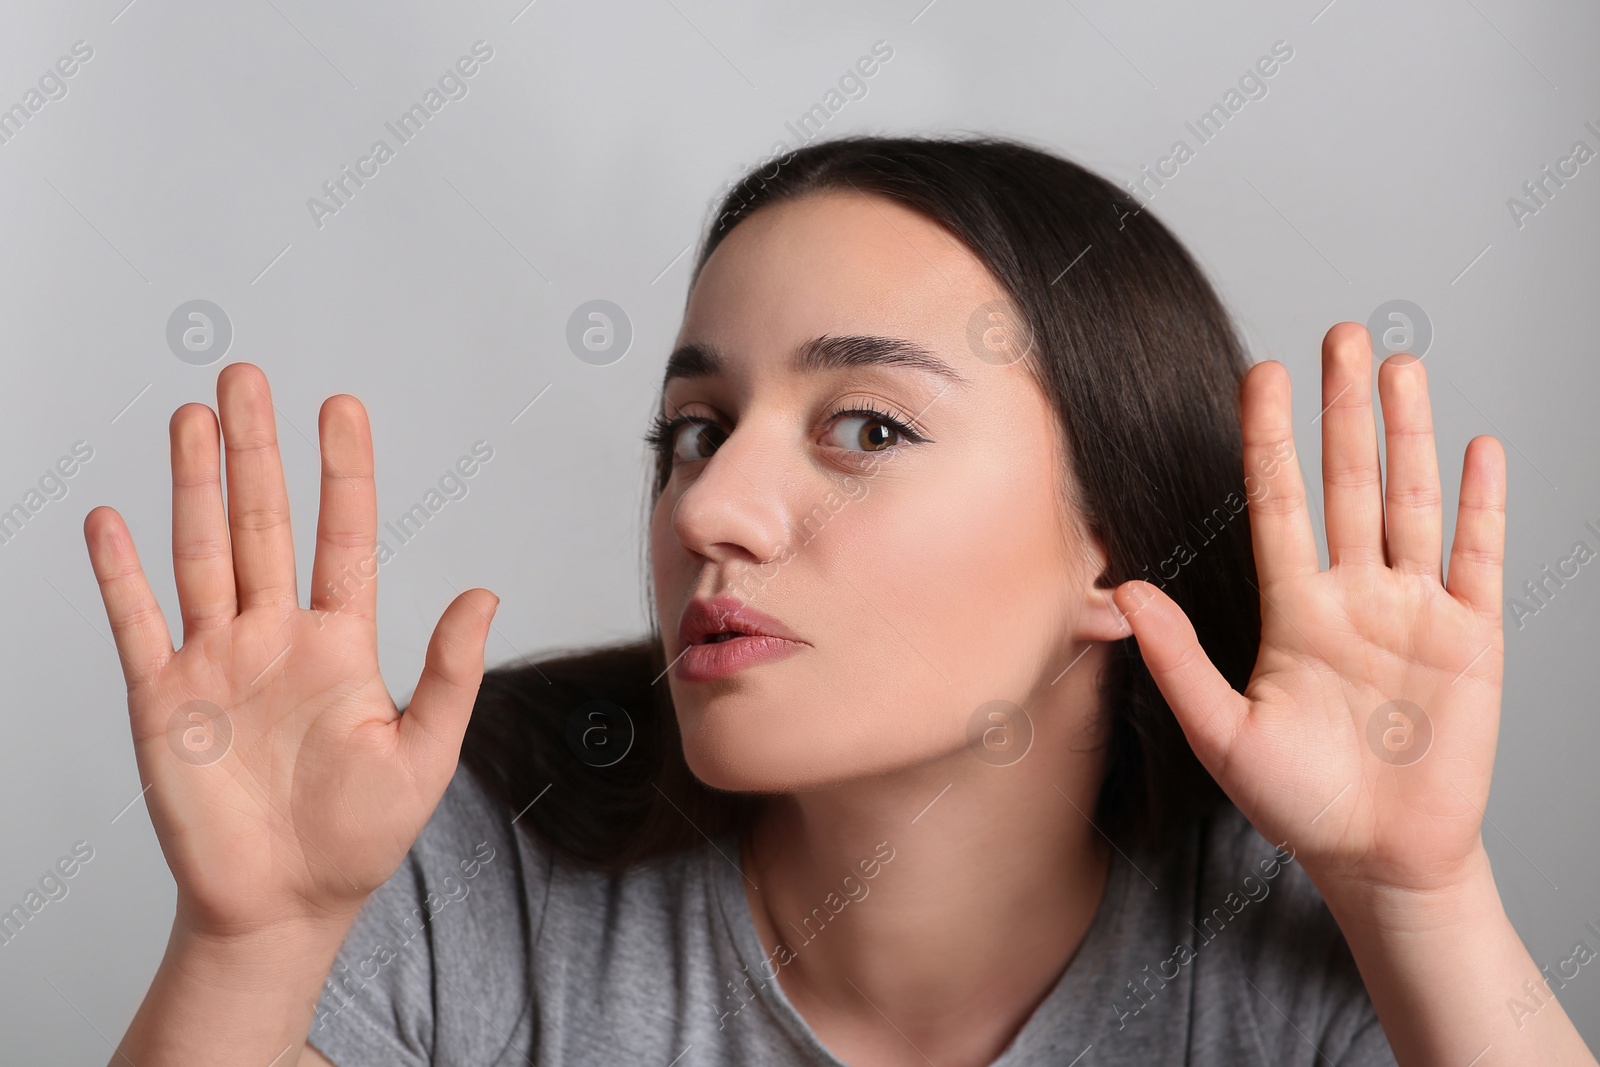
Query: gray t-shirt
484, 949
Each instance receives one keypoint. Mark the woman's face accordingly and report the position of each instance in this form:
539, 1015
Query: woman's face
919, 580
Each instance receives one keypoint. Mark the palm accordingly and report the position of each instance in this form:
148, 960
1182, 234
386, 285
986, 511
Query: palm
282, 780
266, 810
1378, 632
1339, 649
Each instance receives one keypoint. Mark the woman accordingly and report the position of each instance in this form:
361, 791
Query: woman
998, 712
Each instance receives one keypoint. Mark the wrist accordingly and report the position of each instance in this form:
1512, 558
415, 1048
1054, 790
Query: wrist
300, 922
1467, 899
244, 956
246, 993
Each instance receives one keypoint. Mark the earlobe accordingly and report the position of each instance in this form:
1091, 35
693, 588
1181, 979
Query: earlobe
1102, 619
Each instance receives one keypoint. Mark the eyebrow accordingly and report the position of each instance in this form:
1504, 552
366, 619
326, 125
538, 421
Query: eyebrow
822, 353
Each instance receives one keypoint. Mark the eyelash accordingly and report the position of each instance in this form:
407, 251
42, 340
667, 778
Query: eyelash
663, 431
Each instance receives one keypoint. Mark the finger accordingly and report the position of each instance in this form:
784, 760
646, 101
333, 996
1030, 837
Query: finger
1280, 527
202, 556
138, 628
344, 575
258, 504
436, 719
1351, 483
1412, 505
1210, 710
1478, 550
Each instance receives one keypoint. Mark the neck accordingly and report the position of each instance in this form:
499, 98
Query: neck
928, 912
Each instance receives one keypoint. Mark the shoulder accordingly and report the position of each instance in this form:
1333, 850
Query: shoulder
1276, 965
1250, 886
483, 920
469, 848
456, 907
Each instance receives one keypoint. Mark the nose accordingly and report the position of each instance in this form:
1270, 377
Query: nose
734, 509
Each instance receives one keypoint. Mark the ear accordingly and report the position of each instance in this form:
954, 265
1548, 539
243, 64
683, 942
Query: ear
1099, 617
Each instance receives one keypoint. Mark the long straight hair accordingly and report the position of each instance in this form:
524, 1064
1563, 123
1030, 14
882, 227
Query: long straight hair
1141, 364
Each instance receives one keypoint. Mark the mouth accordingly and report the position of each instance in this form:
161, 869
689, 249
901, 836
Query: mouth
723, 655
724, 635
727, 618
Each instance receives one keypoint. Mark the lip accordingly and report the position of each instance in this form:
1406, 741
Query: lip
763, 639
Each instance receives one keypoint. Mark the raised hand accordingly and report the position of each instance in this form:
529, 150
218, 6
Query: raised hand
284, 784
1366, 735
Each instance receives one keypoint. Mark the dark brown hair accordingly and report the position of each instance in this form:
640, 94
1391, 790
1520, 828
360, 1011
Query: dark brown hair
1140, 361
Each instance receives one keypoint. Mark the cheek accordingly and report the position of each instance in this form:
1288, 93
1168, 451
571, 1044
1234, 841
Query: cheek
969, 567
668, 576
944, 587
940, 591
658, 544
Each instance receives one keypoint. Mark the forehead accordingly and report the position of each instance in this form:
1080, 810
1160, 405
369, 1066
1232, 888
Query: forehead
836, 264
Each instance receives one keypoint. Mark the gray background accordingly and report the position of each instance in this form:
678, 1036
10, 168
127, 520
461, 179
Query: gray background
581, 165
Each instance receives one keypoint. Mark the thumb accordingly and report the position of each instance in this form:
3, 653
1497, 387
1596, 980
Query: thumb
436, 719
1209, 710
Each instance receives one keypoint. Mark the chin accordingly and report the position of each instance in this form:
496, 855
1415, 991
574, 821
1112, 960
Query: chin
744, 750
740, 759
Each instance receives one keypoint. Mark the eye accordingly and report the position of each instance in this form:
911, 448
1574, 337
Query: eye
692, 439
687, 438
869, 430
